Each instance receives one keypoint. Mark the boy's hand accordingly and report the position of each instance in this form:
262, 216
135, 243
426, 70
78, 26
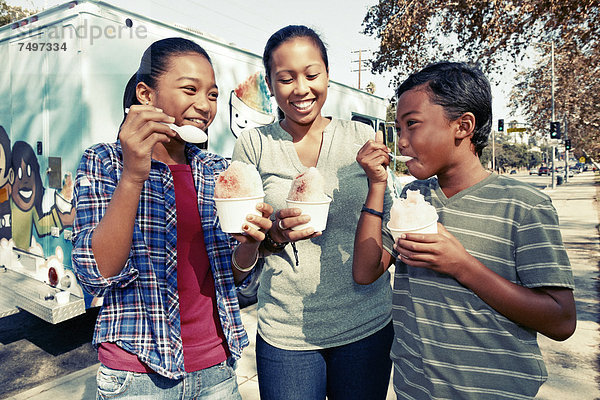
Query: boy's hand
441, 252
373, 157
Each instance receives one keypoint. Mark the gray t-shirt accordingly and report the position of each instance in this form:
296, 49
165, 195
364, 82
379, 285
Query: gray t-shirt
317, 304
449, 343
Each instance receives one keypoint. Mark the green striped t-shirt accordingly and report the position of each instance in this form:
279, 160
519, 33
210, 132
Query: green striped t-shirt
449, 343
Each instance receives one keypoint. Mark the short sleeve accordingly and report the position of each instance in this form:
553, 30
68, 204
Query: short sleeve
248, 147
540, 256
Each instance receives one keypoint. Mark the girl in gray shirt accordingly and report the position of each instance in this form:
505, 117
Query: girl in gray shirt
319, 333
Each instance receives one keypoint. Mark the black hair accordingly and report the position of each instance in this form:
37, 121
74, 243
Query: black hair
155, 62
458, 87
5, 144
288, 33
283, 35
22, 152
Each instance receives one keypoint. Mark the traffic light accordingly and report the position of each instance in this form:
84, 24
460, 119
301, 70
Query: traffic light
500, 125
567, 144
554, 130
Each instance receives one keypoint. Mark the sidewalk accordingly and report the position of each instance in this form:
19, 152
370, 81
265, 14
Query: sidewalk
81, 385
573, 365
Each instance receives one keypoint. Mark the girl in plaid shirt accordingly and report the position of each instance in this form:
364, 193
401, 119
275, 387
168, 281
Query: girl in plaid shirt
147, 240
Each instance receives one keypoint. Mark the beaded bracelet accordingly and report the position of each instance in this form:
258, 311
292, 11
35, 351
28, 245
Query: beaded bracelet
371, 211
271, 245
235, 264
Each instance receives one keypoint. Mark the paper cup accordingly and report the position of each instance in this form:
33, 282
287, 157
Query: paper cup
232, 213
429, 228
317, 210
62, 297
62, 204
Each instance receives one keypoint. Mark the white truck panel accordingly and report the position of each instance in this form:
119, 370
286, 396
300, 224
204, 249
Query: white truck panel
58, 101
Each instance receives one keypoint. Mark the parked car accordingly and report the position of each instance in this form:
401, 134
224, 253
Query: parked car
543, 171
533, 171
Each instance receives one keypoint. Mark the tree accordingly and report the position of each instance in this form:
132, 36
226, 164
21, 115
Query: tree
495, 34
415, 33
370, 88
390, 112
577, 83
510, 156
9, 13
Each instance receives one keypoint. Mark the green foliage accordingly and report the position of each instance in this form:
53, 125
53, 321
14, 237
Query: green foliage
10, 14
390, 114
576, 96
415, 33
511, 156
500, 35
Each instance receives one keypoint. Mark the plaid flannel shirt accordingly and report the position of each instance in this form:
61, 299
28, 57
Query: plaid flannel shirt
141, 304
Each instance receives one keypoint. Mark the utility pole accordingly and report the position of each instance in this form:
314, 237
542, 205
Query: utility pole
553, 145
566, 150
359, 61
493, 150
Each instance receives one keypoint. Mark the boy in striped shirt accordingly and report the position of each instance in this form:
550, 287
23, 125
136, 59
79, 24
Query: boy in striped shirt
468, 301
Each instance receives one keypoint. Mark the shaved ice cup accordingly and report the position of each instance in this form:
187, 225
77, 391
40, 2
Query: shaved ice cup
429, 228
232, 212
317, 210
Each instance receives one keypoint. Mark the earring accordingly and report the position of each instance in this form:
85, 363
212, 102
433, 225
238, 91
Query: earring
147, 102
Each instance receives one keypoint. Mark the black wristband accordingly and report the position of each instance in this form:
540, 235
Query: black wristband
272, 246
371, 211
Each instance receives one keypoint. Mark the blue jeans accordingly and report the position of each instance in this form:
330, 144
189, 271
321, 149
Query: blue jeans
218, 382
356, 371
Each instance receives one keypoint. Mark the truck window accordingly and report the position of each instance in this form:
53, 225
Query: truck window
390, 134
364, 120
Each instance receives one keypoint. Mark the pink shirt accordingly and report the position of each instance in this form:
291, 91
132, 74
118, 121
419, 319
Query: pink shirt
204, 343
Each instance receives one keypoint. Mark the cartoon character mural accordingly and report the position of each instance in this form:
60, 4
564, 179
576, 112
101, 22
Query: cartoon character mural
6, 181
26, 200
250, 105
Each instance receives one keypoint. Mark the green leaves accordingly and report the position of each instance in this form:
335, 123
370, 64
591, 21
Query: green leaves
10, 14
500, 35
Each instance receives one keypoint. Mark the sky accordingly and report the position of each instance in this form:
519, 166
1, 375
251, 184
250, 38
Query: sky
249, 23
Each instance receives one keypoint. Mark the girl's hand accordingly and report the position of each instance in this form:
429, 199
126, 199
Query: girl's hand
373, 157
140, 132
285, 220
251, 235
441, 252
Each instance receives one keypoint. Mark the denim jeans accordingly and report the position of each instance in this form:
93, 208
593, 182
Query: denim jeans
214, 383
356, 371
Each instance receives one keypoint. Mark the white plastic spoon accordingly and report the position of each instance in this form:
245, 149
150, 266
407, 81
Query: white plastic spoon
188, 133
400, 158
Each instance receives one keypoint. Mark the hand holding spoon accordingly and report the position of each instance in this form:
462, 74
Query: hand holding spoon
188, 133
400, 158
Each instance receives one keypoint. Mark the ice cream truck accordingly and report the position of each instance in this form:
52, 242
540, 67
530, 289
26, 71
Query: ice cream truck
61, 87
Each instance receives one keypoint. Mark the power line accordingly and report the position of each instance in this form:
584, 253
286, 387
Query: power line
360, 63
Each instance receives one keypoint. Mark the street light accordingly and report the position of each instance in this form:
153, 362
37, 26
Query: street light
554, 130
553, 146
552, 121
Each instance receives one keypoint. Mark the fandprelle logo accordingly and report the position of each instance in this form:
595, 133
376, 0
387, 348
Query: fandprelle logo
91, 32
